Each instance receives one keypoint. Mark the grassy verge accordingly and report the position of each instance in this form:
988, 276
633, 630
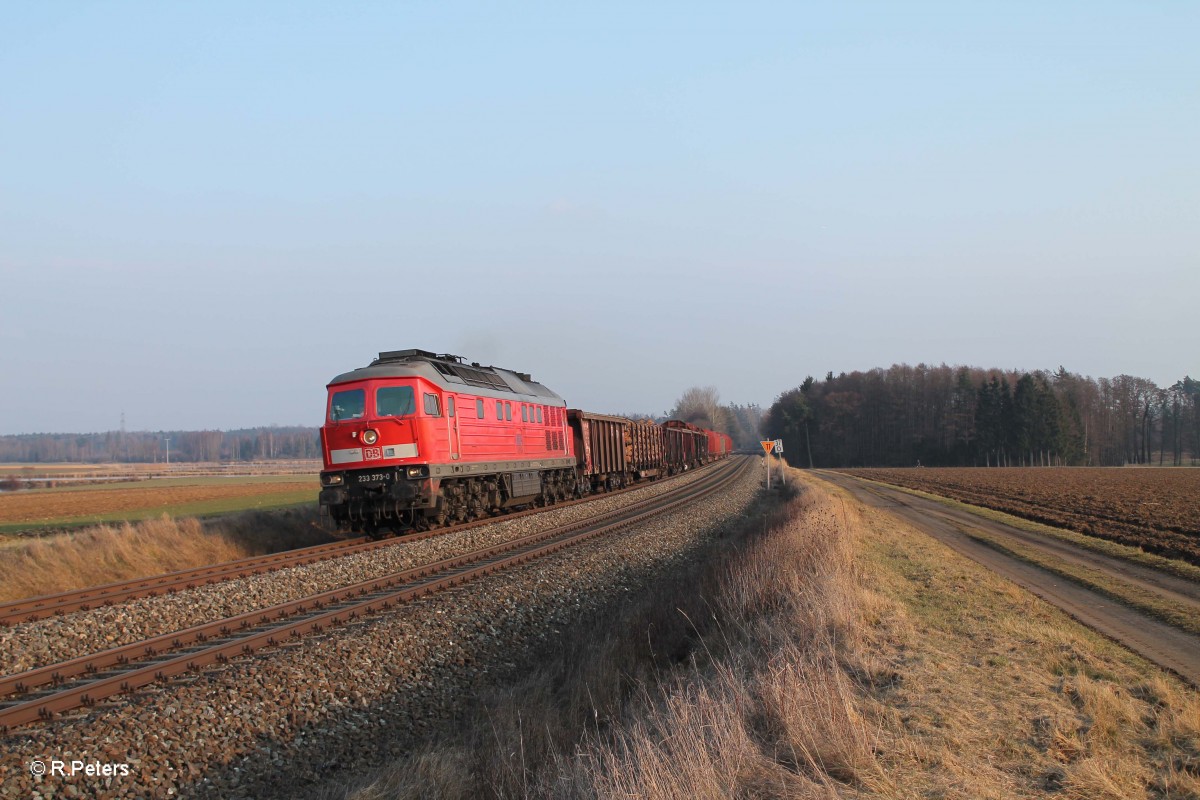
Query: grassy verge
1136, 555
108, 553
828, 651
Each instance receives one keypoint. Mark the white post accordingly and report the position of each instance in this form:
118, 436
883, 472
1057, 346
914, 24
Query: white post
767, 459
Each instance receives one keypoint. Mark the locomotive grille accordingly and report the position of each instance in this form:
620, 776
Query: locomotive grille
471, 376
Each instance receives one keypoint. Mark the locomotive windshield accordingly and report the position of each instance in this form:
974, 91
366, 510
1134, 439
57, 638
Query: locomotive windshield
348, 404
395, 401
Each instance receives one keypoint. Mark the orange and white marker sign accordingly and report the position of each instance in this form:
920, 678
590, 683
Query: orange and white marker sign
767, 459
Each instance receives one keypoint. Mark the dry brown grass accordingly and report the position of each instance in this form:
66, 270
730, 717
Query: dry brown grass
776, 712
109, 553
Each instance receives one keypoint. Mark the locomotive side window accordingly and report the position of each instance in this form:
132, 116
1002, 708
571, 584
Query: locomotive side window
395, 401
479, 409
524, 413
450, 405
432, 407
350, 404
539, 412
499, 409
508, 410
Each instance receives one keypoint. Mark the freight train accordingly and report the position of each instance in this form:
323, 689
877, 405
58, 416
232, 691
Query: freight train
417, 440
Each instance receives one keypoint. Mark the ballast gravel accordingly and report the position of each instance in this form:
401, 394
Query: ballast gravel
35, 644
350, 699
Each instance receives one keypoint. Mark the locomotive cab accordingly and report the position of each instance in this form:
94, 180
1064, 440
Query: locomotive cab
371, 421
372, 457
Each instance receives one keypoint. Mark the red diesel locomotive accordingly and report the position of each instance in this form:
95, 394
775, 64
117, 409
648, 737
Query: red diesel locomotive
417, 440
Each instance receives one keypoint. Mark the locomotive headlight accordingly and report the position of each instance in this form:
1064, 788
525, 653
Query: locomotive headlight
370, 437
332, 479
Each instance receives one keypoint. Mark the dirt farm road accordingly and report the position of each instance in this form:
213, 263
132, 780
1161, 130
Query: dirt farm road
1151, 638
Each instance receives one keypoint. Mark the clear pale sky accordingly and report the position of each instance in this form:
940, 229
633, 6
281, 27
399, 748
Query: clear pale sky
208, 210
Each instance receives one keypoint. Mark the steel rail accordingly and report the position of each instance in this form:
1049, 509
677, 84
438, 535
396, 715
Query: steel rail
444, 574
35, 608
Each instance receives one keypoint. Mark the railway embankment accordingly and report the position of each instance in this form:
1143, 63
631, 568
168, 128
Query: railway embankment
341, 702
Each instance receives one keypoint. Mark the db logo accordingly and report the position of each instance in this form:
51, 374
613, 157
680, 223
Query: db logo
372, 452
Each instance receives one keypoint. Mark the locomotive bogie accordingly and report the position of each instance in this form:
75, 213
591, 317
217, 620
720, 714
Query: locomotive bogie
375, 501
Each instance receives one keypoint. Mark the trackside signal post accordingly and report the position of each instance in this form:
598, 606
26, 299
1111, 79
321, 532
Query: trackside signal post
767, 446
778, 450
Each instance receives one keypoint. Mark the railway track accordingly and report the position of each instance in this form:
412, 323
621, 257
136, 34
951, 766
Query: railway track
89, 679
35, 608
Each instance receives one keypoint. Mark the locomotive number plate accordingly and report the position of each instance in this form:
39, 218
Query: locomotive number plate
374, 477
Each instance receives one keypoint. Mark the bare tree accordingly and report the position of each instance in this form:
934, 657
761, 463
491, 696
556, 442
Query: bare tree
701, 405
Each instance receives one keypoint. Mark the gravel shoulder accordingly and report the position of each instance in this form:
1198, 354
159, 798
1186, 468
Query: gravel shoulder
332, 705
1158, 641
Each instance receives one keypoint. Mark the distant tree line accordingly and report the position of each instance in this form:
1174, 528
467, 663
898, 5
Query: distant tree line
246, 444
966, 416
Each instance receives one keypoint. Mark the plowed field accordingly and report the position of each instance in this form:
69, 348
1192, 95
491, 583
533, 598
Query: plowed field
148, 498
1155, 509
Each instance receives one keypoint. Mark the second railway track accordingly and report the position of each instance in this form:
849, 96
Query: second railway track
89, 679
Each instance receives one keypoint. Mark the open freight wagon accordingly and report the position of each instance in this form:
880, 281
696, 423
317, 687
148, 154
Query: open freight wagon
686, 445
612, 452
